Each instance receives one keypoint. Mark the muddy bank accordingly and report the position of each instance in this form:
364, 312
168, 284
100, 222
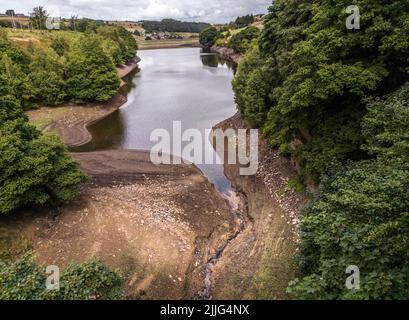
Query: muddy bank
71, 120
227, 53
259, 263
156, 224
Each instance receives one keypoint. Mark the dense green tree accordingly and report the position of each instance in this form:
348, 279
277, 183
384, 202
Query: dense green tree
209, 36
171, 25
34, 169
242, 40
60, 45
319, 70
23, 279
90, 73
251, 87
359, 216
122, 46
244, 21
14, 53
12, 80
45, 79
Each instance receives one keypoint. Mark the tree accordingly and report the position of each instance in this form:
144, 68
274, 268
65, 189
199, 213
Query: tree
90, 73
24, 279
60, 45
10, 12
359, 216
241, 42
319, 71
209, 36
46, 78
39, 18
35, 169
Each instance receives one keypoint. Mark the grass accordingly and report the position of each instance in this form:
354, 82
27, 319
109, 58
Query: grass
42, 39
12, 245
171, 43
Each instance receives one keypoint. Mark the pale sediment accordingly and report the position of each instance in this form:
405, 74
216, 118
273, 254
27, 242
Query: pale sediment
227, 53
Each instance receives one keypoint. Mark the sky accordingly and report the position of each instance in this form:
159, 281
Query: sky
214, 11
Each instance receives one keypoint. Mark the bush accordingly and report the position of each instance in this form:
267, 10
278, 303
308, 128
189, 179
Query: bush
241, 42
359, 216
26, 280
34, 169
90, 72
209, 36
319, 71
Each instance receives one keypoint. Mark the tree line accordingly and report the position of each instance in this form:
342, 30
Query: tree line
171, 25
78, 68
337, 101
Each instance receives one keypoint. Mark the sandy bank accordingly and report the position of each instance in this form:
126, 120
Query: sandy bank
71, 120
156, 224
227, 53
259, 263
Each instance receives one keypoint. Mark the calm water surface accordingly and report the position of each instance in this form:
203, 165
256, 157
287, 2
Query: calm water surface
172, 85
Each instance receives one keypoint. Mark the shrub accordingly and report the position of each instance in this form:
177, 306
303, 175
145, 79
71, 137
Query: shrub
26, 280
209, 36
34, 169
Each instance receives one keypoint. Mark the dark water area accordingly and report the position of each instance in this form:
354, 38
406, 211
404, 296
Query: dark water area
183, 85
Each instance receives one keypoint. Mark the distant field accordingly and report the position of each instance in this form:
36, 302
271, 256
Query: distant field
174, 43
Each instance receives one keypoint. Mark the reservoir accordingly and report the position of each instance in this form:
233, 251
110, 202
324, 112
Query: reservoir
183, 85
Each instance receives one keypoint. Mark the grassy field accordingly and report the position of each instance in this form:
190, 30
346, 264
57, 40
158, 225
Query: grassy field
40, 39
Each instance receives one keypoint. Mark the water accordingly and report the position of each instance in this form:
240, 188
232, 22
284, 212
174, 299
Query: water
172, 85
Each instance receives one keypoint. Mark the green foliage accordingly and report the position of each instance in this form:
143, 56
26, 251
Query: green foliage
34, 169
244, 21
241, 41
89, 71
122, 46
251, 87
26, 280
209, 36
45, 81
77, 67
171, 25
328, 96
318, 69
38, 18
60, 45
359, 216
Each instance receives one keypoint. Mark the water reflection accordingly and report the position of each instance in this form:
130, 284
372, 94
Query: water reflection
172, 85
215, 61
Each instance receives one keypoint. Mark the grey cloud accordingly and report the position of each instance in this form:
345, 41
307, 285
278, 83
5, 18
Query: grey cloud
192, 10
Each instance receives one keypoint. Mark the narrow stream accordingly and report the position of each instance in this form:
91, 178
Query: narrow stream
183, 85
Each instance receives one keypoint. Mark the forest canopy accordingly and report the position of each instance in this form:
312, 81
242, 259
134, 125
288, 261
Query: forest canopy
336, 101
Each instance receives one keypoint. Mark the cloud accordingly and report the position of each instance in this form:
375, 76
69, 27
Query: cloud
189, 10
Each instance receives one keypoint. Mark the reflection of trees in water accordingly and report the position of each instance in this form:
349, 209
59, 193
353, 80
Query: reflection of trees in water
107, 133
214, 60
129, 83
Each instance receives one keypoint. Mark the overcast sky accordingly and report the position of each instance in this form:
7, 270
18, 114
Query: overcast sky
187, 10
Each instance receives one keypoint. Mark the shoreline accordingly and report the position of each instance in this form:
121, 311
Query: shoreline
227, 53
266, 247
71, 121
